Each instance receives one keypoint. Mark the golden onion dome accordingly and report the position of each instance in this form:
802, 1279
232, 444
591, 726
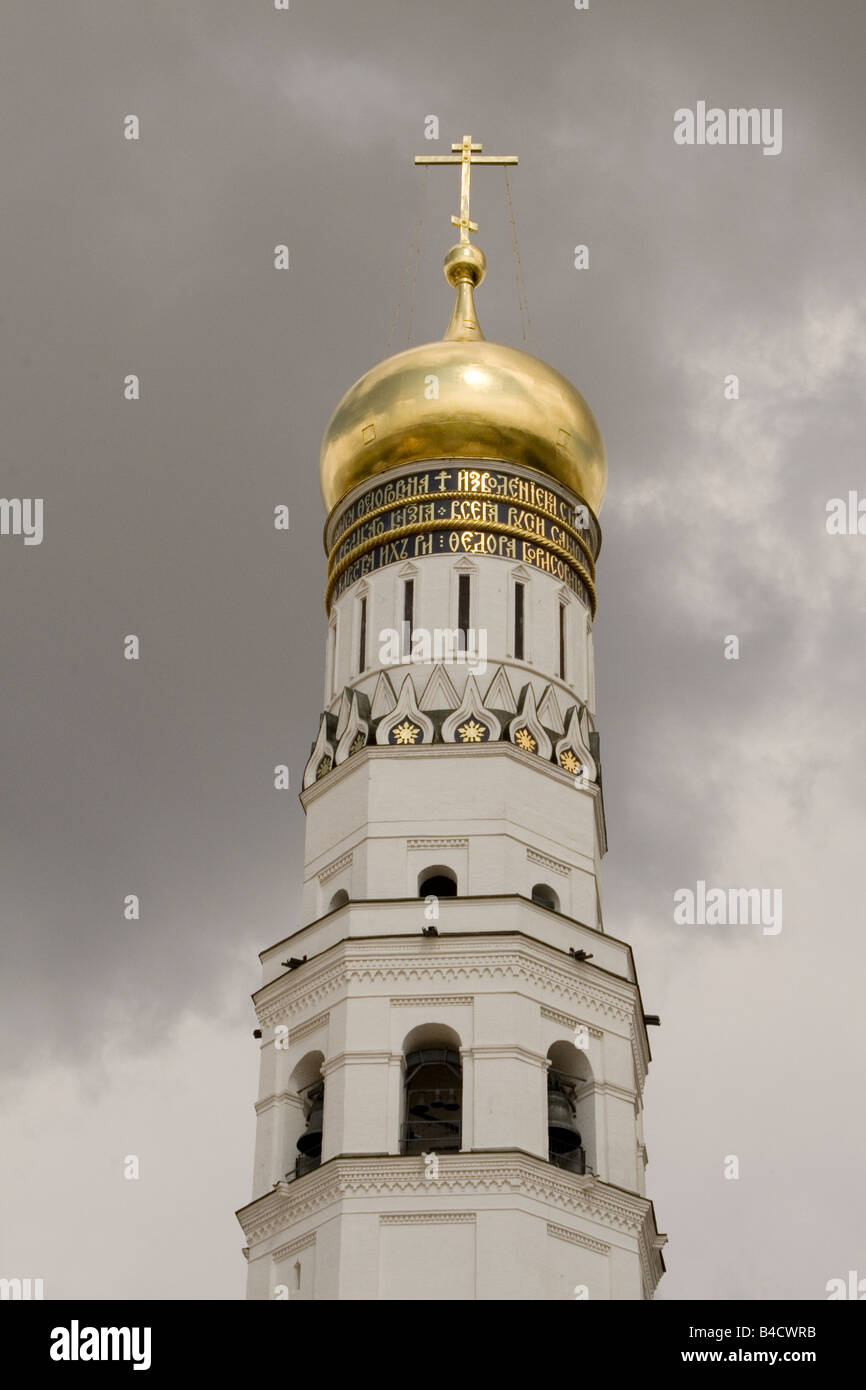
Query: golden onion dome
463, 398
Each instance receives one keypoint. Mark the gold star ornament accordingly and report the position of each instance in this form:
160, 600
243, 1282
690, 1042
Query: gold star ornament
405, 732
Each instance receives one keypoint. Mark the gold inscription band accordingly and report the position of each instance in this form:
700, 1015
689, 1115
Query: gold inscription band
448, 524
464, 496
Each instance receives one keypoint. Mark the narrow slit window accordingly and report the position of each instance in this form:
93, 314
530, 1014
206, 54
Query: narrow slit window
463, 610
408, 615
562, 641
362, 638
519, 596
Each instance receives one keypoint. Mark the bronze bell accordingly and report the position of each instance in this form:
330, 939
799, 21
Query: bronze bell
562, 1130
310, 1142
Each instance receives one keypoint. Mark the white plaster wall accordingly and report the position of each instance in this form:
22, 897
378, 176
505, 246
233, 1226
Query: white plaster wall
491, 609
497, 800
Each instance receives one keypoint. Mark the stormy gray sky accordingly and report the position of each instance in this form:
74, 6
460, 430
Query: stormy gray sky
155, 257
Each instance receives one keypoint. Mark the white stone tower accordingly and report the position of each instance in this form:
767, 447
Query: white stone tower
453, 1049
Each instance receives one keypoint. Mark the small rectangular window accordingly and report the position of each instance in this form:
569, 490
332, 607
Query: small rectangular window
562, 641
519, 593
362, 638
463, 611
408, 615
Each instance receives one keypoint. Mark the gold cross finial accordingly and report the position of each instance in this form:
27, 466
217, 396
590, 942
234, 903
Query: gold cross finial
465, 154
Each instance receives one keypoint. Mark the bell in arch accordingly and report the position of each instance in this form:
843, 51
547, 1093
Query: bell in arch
310, 1142
564, 1142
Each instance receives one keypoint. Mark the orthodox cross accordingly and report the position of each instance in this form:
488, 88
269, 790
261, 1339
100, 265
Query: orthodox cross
465, 154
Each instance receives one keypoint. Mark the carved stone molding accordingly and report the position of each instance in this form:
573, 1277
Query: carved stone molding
293, 1247
282, 1098
557, 1016
303, 1029
516, 1176
548, 862
335, 866
438, 842
578, 1238
352, 962
429, 1218
405, 1001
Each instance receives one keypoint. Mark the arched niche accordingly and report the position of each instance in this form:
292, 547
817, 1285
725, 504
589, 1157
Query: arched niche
437, 881
306, 1089
571, 1098
543, 894
432, 1091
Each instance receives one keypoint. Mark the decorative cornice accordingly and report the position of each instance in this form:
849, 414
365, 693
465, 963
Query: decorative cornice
292, 1247
360, 1057
578, 1238
548, 862
355, 961
557, 1016
514, 1174
335, 866
428, 1218
438, 842
608, 1088
400, 961
405, 1001
513, 1051
503, 747
281, 1098
303, 1029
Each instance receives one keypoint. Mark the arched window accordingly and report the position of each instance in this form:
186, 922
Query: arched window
437, 882
340, 898
433, 1091
544, 895
308, 1084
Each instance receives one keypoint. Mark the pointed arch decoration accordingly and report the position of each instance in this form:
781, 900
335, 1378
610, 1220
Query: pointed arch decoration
321, 759
572, 751
499, 693
472, 722
525, 729
356, 733
406, 726
384, 698
549, 712
439, 692
344, 711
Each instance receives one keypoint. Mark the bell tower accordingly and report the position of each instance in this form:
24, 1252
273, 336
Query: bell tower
453, 1048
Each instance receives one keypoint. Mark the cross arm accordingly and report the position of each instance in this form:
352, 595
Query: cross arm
458, 159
